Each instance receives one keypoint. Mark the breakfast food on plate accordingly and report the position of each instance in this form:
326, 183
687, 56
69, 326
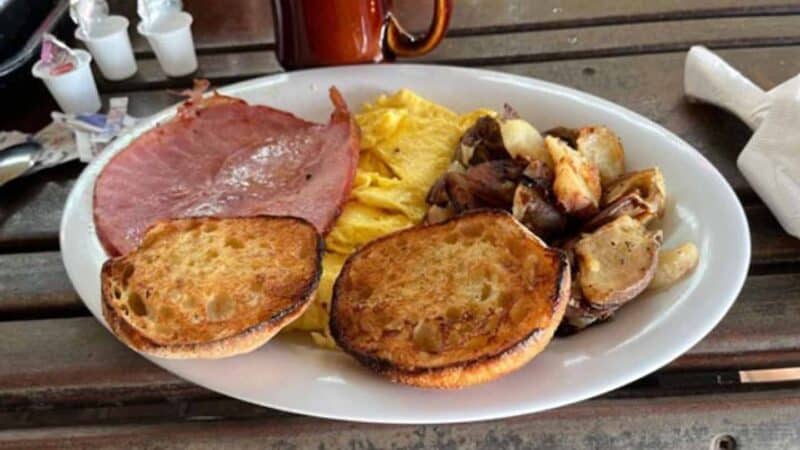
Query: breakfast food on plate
615, 263
576, 182
674, 264
210, 288
407, 142
603, 148
571, 189
455, 246
453, 304
221, 157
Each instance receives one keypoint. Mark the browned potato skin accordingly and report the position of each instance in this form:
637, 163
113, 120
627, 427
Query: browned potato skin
629, 205
647, 184
577, 182
616, 262
603, 148
568, 135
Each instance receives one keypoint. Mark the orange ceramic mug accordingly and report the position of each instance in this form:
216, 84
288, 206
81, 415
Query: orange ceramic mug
326, 32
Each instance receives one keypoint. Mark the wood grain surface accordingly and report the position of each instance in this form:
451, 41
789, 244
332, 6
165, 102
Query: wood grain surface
755, 420
65, 382
32, 214
248, 24
36, 284
69, 360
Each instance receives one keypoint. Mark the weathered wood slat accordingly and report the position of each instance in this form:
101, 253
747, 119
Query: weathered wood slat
69, 361
217, 25
76, 361
651, 85
760, 330
483, 16
535, 46
27, 204
612, 40
30, 208
248, 23
34, 224
757, 420
97, 385
35, 285
215, 409
770, 244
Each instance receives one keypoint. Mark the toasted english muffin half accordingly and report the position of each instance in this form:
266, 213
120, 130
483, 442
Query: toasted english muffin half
453, 304
209, 287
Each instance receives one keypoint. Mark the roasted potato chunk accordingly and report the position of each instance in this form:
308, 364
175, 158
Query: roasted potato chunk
629, 205
616, 262
603, 148
674, 264
577, 181
647, 184
522, 140
568, 135
579, 316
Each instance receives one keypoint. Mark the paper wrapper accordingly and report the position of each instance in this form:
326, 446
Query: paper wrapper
56, 58
70, 137
771, 160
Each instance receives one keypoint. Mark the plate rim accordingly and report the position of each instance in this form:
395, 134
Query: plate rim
644, 368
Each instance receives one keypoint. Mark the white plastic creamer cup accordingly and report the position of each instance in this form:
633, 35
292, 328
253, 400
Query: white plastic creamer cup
74, 91
171, 40
110, 46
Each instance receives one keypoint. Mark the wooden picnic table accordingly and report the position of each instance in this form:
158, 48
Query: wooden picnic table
65, 382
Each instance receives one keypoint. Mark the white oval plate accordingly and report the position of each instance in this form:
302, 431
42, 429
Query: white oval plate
292, 375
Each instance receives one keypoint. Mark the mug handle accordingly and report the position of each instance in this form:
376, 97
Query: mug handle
399, 42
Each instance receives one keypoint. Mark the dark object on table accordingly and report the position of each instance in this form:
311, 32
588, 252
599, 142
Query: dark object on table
22, 23
312, 33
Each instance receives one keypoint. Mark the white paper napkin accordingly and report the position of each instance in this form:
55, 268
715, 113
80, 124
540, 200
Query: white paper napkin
771, 159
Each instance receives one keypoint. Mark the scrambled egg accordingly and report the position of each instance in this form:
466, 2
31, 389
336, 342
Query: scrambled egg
407, 142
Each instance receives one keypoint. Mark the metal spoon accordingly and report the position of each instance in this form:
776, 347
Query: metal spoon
16, 160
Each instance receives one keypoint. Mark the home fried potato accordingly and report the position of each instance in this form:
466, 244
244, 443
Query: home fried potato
522, 140
674, 264
577, 181
603, 148
616, 262
648, 184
